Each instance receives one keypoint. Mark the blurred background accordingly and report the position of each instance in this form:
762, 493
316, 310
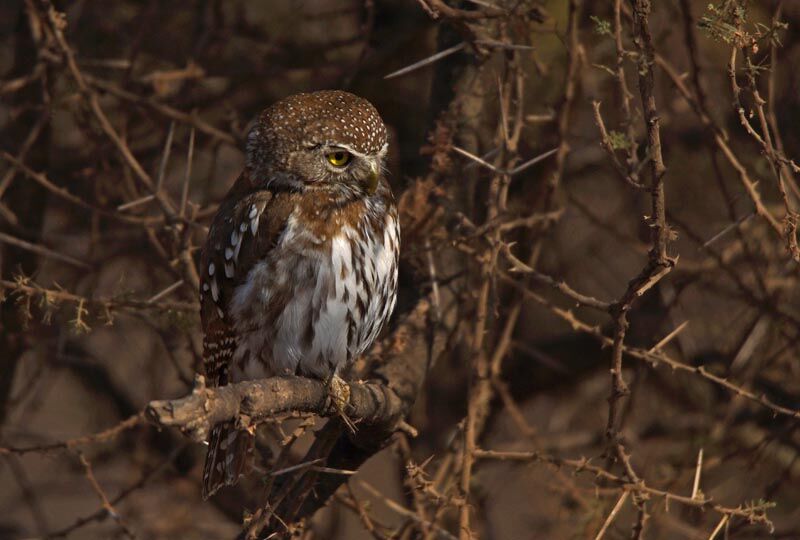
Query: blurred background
122, 127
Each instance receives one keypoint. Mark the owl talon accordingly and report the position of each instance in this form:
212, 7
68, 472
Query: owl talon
338, 399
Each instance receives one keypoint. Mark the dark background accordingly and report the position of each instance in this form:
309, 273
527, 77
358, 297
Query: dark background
81, 350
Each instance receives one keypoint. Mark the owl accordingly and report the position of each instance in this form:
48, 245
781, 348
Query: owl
299, 271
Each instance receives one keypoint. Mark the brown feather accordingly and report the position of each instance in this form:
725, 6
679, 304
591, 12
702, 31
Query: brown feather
229, 450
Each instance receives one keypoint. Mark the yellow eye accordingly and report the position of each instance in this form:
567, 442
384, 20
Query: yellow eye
340, 158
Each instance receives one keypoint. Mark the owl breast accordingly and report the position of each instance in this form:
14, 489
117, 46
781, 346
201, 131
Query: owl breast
318, 299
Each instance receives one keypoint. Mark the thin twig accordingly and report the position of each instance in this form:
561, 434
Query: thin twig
613, 514
43, 251
427, 61
107, 506
697, 472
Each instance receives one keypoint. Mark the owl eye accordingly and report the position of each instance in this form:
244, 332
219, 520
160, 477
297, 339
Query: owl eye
339, 158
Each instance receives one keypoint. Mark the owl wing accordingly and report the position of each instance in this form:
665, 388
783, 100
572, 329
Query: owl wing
246, 227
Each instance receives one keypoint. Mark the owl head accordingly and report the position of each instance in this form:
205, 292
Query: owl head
328, 140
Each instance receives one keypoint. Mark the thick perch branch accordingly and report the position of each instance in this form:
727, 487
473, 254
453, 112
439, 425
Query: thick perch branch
250, 401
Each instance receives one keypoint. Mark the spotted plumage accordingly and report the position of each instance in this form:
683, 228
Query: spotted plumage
299, 271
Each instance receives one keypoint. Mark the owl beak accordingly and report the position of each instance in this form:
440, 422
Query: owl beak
372, 179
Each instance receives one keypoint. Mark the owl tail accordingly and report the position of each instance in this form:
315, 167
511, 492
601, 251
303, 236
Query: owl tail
228, 456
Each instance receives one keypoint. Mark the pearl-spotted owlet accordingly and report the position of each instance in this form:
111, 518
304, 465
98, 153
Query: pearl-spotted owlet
299, 271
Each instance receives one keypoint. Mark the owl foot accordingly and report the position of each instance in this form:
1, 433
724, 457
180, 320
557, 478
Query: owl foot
338, 399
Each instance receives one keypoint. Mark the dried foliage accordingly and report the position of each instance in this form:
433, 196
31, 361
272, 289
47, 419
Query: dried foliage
598, 327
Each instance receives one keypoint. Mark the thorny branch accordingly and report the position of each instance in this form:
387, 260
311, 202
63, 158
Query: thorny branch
658, 264
754, 514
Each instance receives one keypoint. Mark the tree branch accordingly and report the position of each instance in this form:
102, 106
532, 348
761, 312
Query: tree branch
250, 401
